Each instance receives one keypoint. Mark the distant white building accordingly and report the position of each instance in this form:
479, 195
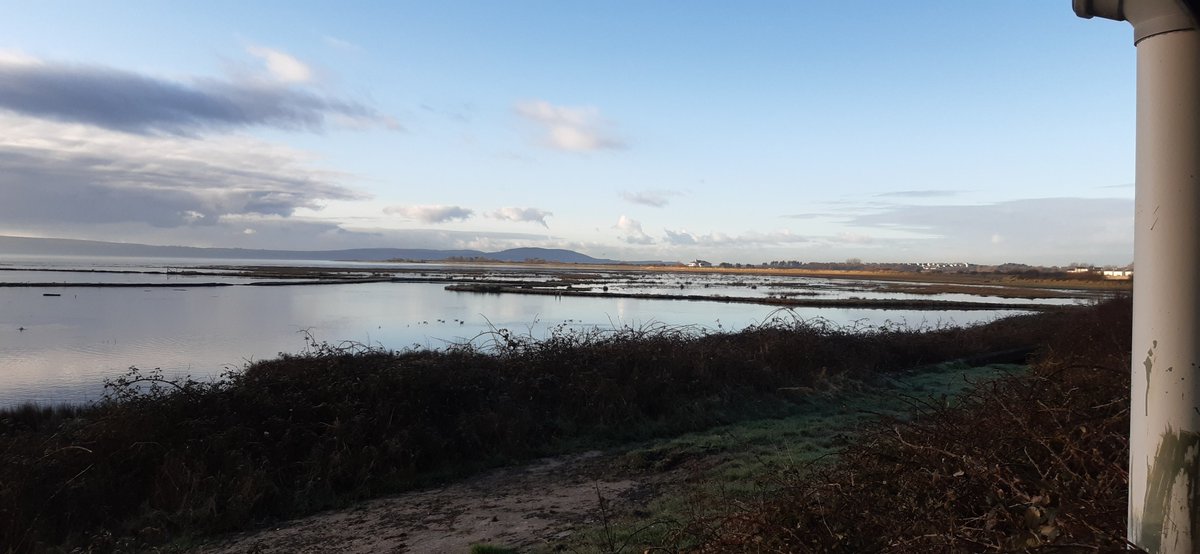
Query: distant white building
1118, 273
699, 263
942, 265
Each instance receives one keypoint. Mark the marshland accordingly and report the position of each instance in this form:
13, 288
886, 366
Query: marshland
190, 318
732, 424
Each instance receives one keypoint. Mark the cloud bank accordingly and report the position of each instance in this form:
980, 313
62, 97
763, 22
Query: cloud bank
129, 102
1037, 230
53, 172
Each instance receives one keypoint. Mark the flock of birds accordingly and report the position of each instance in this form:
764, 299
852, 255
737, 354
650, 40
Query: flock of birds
442, 321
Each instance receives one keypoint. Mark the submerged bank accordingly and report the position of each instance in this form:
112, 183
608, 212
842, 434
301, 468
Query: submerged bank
782, 301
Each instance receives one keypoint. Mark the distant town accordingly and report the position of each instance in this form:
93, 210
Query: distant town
1076, 271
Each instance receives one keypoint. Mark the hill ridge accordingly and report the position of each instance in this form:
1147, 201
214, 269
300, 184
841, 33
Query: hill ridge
33, 246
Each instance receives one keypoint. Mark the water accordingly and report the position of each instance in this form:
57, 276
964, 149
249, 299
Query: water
56, 349
763, 286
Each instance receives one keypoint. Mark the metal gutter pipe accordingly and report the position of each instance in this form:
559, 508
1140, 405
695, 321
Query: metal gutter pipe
1164, 434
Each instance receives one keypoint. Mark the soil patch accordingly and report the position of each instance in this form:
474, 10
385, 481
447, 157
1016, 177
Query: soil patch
521, 507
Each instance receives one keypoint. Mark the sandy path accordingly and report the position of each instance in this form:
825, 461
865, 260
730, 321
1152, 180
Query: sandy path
521, 507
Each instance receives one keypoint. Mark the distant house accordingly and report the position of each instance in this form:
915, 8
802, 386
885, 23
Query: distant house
699, 263
942, 266
1118, 273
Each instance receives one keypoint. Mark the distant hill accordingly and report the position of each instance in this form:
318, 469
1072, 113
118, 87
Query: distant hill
25, 246
548, 254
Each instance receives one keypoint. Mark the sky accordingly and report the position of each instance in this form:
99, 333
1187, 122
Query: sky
742, 132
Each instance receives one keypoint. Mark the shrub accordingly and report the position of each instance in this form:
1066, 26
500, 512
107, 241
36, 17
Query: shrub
1034, 460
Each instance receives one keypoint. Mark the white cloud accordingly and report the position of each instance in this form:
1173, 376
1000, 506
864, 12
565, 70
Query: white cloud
575, 129
282, 66
628, 225
527, 215
430, 213
632, 231
652, 198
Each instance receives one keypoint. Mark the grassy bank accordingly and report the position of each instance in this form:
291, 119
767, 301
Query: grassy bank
698, 475
159, 460
1035, 461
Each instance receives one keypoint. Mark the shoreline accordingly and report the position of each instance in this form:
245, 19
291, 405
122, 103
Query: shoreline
574, 279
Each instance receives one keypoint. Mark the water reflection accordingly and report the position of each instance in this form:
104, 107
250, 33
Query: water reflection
60, 349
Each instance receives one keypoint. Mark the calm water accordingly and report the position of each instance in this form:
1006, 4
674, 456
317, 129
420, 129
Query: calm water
71, 343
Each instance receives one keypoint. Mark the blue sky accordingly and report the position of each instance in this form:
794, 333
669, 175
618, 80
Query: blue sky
741, 132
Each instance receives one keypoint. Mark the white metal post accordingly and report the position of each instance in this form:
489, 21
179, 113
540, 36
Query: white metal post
1164, 435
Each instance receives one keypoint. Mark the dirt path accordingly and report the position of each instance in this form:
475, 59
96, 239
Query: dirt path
521, 507
554, 503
